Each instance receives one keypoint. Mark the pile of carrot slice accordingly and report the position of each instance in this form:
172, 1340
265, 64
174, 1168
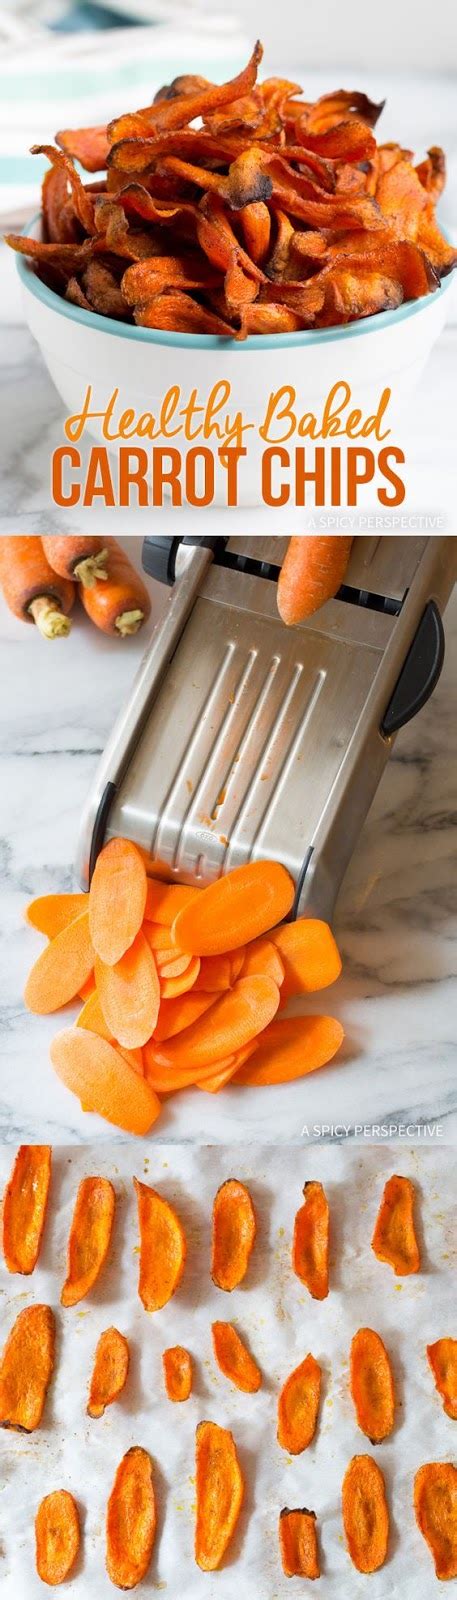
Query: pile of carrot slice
181, 986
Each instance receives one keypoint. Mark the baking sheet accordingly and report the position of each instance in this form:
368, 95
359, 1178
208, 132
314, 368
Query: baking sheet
281, 1324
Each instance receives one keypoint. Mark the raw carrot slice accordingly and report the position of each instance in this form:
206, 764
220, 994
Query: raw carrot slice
236, 1017
63, 966
131, 1520
170, 988
372, 1385
171, 965
234, 1359
262, 956
215, 974
177, 1371
236, 958
235, 909
220, 1492
110, 1371
89, 1239
164, 900
310, 1249
309, 954
168, 1080
227, 1069
91, 1017
159, 937
365, 1514
312, 572
162, 1248
26, 1368
234, 1231
291, 1047
298, 1543
87, 988
117, 899
442, 1357
394, 1239
24, 1207
298, 1407
103, 1080
57, 1536
51, 913
129, 994
435, 1506
174, 1015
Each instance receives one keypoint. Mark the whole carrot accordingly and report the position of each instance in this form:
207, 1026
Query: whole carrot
122, 604
31, 589
312, 572
83, 559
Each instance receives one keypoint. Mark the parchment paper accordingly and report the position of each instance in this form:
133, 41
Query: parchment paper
281, 1324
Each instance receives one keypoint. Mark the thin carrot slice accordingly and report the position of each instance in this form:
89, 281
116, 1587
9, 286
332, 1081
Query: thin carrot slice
87, 988
365, 1514
442, 1357
220, 1492
57, 1536
63, 966
394, 1239
310, 1249
159, 937
291, 1047
26, 1368
237, 958
234, 1232
435, 1506
177, 1371
51, 913
174, 1015
162, 1248
131, 1520
170, 988
103, 1080
227, 1069
117, 899
215, 974
89, 1239
298, 1407
234, 1359
262, 956
165, 900
236, 1017
171, 965
298, 1543
110, 1371
309, 954
24, 1207
168, 1080
372, 1385
235, 909
129, 994
91, 1017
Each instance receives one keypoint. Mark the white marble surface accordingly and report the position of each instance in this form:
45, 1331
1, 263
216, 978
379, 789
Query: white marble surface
396, 915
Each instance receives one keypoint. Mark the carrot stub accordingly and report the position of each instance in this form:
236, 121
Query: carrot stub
81, 558
234, 1232
117, 899
129, 994
291, 1047
435, 1506
51, 913
131, 1520
31, 589
220, 1489
24, 1207
63, 967
310, 1249
26, 1368
235, 1018
234, 1359
394, 1239
121, 604
309, 955
177, 1371
365, 1514
298, 1543
372, 1385
89, 1239
57, 1537
442, 1357
110, 1371
235, 909
298, 1406
312, 572
103, 1080
162, 1248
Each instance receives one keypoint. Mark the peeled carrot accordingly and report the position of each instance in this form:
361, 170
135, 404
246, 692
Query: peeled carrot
117, 899
234, 1019
235, 909
91, 1017
50, 913
313, 570
63, 966
31, 589
130, 994
121, 604
309, 955
174, 1015
103, 1081
292, 1047
82, 558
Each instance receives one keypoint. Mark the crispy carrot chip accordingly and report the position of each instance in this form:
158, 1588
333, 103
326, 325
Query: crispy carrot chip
435, 1505
365, 1514
234, 1231
110, 1371
311, 1241
394, 1239
219, 1494
57, 1537
26, 1368
131, 1520
298, 1544
177, 1371
89, 146
24, 1207
162, 1248
90, 1237
233, 1358
298, 1407
442, 1358
372, 1385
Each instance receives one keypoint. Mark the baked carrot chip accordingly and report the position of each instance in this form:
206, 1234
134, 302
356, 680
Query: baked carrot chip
26, 1368
298, 1543
234, 1231
131, 1520
311, 1241
220, 1490
24, 1207
110, 1371
372, 1385
442, 1358
234, 1360
435, 1505
298, 1407
365, 1514
57, 1537
394, 1239
89, 146
162, 1248
177, 1371
89, 1239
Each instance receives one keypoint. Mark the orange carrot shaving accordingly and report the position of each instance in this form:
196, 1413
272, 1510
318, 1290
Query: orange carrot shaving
171, 965
170, 988
89, 1239
442, 1358
220, 1491
117, 899
215, 974
57, 1536
262, 956
291, 1047
236, 1017
131, 1520
63, 966
311, 1241
26, 1368
177, 1371
24, 1207
365, 1514
91, 1017
159, 938
162, 1248
435, 1505
234, 1359
394, 1239
298, 1407
174, 1015
372, 1385
298, 1544
309, 955
225, 1070
103, 1080
234, 1232
129, 994
110, 1371
51, 913
165, 900
312, 572
235, 909
168, 1080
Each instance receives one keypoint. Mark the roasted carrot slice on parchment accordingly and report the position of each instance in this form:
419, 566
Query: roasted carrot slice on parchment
89, 1239
26, 1368
24, 1207
162, 1248
177, 1371
57, 1537
234, 1359
220, 1491
365, 1514
394, 1239
234, 1231
63, 967
298, 1543
131, 1520
372, 1385
235, 909
298, 1406
117, 899
435, 1505
110, 1371
311, 1241
442, 1358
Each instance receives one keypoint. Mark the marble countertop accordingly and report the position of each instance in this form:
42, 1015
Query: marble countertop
395, 919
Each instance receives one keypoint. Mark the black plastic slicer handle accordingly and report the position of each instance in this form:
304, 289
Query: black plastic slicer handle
160, 551
419, 673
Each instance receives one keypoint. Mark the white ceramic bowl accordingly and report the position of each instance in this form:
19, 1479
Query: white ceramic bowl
80, 347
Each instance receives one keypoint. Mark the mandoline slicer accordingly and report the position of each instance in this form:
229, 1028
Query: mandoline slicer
243, 738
